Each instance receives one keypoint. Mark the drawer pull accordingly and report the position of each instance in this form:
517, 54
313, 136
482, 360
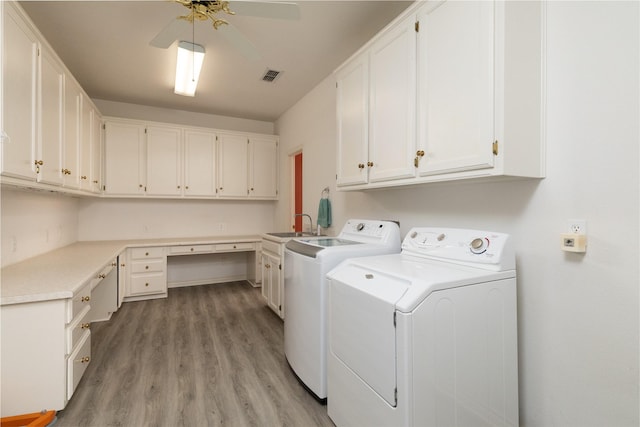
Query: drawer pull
146, 284
101, 276
146, 267
86, 326
191, 249
85, 359
146, 254
113, 264
85, 299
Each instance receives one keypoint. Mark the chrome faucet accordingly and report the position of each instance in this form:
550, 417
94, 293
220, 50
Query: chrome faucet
310, 222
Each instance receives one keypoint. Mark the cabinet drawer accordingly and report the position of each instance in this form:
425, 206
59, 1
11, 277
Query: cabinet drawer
103, 273
144, 253
150, 266
79, 301
76, 329
77, 363
195, 249
273, 247
148, 284
230, 247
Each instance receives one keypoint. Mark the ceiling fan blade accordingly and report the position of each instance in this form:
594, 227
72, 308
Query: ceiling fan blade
170, 33
240, 42
266, 9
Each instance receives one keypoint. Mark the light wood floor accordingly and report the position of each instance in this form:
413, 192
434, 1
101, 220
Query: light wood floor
205, 356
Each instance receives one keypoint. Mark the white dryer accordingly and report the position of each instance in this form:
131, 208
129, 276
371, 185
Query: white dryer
307, 261
427, 337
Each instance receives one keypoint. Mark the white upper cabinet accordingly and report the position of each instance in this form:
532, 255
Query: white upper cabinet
159, 160
96, 152
376, 108
352, 95
164, 158
199, 163
232, 165
19, 81
263, 174
124, 154
51, 119
392, 103
456, 83
72, 123
459, 98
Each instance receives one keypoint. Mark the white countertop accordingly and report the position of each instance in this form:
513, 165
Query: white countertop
60, 273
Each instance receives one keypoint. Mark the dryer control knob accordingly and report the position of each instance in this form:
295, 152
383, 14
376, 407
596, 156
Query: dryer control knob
360, 227
479, 245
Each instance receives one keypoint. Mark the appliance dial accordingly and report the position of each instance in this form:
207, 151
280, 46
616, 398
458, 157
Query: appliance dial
360, 227
479, 245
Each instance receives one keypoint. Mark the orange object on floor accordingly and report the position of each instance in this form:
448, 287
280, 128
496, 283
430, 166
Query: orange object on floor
37, 419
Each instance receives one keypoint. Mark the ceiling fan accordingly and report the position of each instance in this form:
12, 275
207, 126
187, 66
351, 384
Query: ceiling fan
215, 10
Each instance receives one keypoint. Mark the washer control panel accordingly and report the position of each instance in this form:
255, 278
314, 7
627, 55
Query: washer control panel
363, 230
461, 245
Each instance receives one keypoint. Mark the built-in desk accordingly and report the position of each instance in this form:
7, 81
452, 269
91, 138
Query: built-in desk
48, 302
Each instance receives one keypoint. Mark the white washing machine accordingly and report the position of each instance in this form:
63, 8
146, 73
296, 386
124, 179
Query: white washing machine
307, 261
427, 337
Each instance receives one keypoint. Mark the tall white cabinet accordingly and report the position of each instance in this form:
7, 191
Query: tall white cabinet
200, 163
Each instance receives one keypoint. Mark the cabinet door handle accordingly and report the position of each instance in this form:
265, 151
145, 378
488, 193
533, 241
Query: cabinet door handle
86, 326
370, 164
360, 165
85, 299
85, 359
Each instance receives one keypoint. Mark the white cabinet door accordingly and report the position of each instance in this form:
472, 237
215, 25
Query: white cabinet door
352, 85
199, 163
19, 86
96, 150
71, 156
232, 165
456, 86
124, 149
86, 122
51, 119
163, 161
263, 160
271, 279
392, 104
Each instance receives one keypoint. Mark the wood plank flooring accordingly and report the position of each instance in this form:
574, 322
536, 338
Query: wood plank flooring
207, 355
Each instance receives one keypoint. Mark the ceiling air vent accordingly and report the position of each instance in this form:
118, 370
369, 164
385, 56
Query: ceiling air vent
270, 75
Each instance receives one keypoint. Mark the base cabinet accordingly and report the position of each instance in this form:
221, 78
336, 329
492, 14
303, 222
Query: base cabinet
46, 348
272, 266
146, 273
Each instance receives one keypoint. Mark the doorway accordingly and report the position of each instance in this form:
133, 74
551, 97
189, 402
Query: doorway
297, 190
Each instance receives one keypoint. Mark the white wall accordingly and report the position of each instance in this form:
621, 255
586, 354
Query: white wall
113, 219
35, 222
187, 118
579, 321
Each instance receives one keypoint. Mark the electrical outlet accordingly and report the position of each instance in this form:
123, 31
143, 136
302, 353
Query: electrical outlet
577, 226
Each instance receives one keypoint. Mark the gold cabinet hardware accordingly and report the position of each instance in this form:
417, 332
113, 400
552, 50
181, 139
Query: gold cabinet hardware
146, 254
66, 171
86, 326
186, 187
370, 164
85, 299
191, 249
39, 162
494, 147
85, 359
83, 177
416, 160
101, 276
140, 185
220, 188
146, 284
122, 265
251, 188
178, 187
146, 267
113, 264
95, 181
360, 165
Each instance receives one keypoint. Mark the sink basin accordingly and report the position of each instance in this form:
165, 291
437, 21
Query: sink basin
291, 234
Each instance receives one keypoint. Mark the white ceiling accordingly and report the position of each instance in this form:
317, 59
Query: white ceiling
105, 45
